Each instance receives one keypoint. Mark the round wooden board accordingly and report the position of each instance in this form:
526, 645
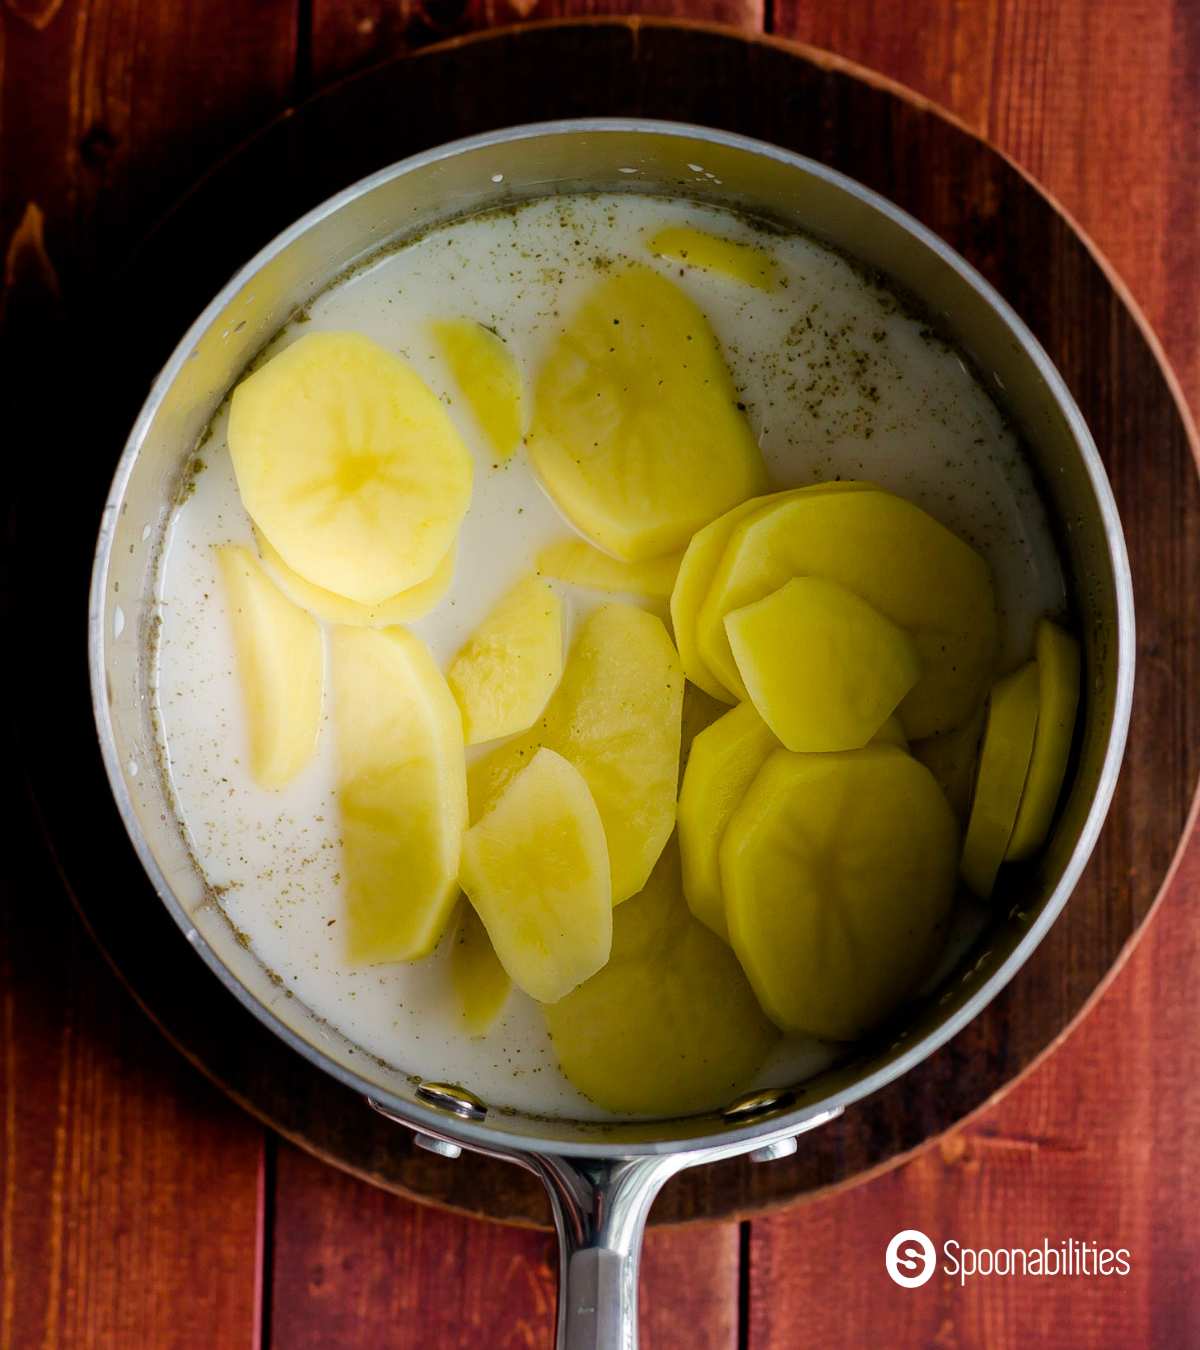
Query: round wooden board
878, 133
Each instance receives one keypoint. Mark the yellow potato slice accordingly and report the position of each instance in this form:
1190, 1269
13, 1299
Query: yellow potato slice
697, 248
824, 669
349, 465
670, 1025
281, 669
409, 605
724, 761
578, 563
1004, 757
838, 872
891, 554
511, 664
487, 373
1058, 700
401, 792
696, 571
636, 430
616, 717
535, 867
953, 758
481, 983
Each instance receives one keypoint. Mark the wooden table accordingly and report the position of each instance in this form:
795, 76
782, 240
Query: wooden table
139, 1208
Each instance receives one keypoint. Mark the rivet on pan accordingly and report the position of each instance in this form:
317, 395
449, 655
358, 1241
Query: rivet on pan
753, 1105
432, 1144
450, 1097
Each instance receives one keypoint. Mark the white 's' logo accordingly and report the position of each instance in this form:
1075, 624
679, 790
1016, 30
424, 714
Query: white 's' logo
910, 1258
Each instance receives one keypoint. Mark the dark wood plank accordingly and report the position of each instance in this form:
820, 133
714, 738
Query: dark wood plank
348, 36
356, 1266
1097, 1144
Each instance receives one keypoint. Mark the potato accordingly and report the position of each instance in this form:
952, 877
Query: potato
349, 465
488, 377
1003, 769
481, 983
890, 554
401, 790
535, 867
669, 1026
281, 669
616, 718
953, 758
1058, 699
577, 562
838, 872
511, 664
725, 760
824, 669
892, 733
409, 605
694, 578
697, 248
636, 431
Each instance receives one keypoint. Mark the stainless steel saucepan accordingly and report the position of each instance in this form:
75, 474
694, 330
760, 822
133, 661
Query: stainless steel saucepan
602, 1178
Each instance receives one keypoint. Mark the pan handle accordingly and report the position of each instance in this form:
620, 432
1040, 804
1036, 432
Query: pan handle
600, 1210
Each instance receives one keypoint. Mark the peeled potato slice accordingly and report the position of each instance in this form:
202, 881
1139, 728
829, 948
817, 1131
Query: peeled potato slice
1058, 699
412, 604
838, 872
669, 1026
953, 758
536, 869
1003, 769
636, 431
697, 248
725, 760
578, 563
891, 554
511, 664
481, 983
401, 792
824, 669
488, 376
694, 578
349, 465
616, 717
281, 669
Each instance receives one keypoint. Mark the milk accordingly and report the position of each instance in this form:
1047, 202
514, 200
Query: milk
838, 380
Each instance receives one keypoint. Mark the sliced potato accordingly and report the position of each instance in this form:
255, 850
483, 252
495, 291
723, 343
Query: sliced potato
577, 562
838, 872
402, 792
636, 431
724, 761
349, 465
535, 867
953, 758
1003, 769
481, 983
281, 669
670, 1025
697, 568
824, 669
488, 376
698, 248
616, 717
511, 664
406, 607
1058, 700
891, 554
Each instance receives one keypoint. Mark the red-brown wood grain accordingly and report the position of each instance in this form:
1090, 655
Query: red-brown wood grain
130, 1207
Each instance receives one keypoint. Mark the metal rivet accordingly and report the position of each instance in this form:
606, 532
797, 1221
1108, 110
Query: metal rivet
752, 1105
780, 1148
452, 1098
432, 1144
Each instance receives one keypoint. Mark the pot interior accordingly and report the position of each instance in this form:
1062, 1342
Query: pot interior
612, 157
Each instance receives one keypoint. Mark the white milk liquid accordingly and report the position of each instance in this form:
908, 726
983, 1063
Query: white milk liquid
838, 380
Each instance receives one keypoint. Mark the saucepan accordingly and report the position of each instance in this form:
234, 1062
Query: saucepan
602, 1177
